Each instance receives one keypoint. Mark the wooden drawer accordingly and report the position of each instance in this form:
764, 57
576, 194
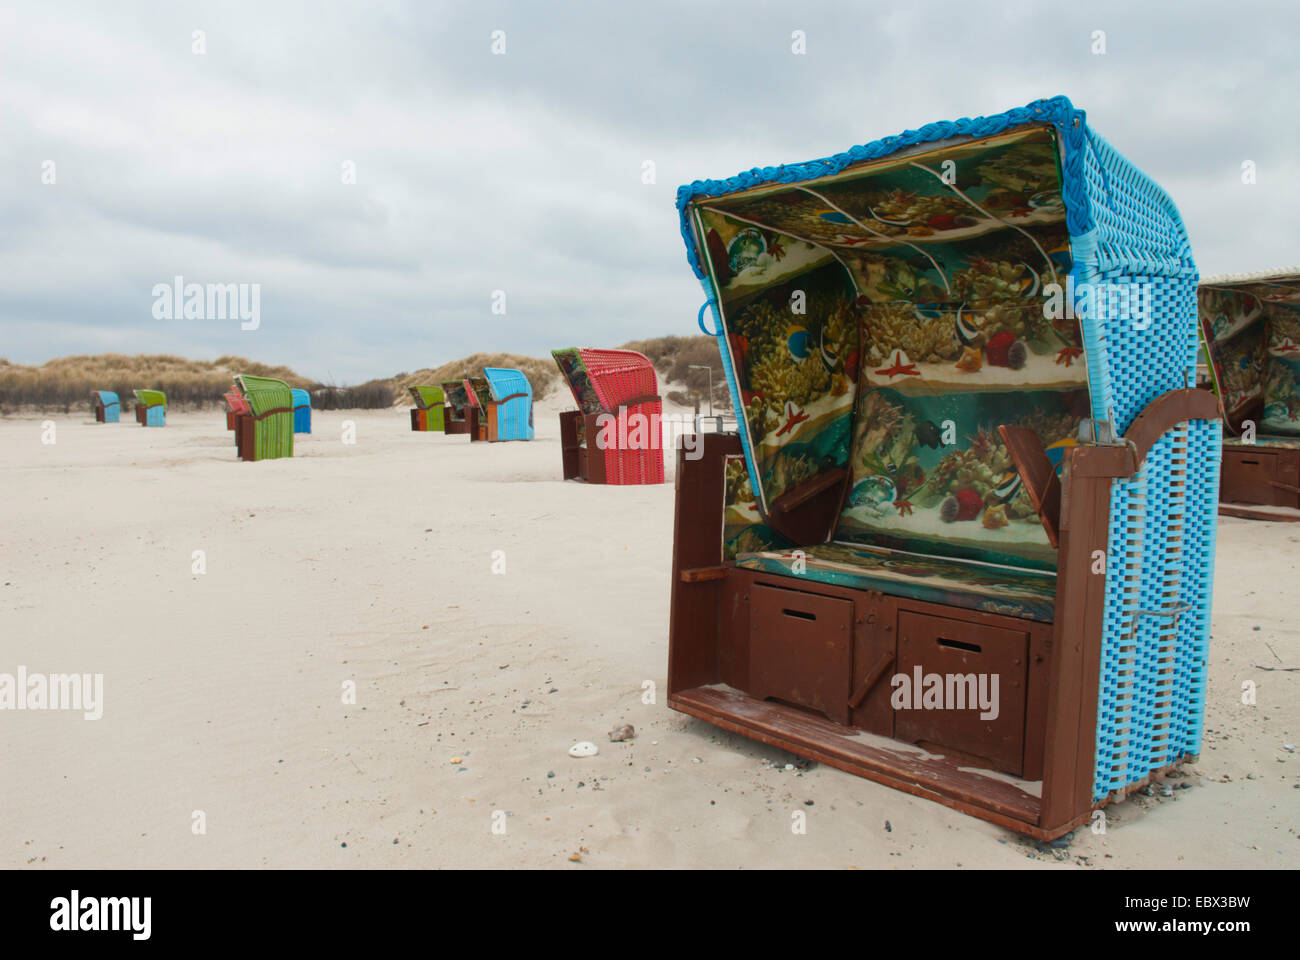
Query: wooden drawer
1248, 476
966, 657
800, 649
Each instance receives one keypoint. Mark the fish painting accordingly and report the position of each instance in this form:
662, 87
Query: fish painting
829, 359
798, 343
1030, 282
1056, 452
928, 434
967, 330
1007, 487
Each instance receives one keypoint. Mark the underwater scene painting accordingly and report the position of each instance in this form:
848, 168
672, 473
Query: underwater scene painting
795, 369
457, 396
1255, 355
1282, 385
743, 529
478, 392
926, 273
930, 472
575, 374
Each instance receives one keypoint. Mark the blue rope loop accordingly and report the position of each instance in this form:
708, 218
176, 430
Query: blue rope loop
700, 319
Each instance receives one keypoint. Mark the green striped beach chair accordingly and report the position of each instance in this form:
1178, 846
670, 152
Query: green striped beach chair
150, 408
266, 431
427, 414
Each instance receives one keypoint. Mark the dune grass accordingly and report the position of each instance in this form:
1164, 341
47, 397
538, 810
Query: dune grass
66, 383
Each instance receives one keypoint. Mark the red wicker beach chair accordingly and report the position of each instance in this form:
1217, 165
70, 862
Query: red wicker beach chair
615, 436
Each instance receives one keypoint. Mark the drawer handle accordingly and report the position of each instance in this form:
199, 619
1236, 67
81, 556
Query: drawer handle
960, 645
802, 615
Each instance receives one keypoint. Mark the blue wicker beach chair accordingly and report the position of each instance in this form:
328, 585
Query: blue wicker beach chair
510, 411
970, 466
106, 406
301, 411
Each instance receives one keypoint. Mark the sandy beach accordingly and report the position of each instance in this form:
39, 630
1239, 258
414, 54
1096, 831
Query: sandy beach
373, 563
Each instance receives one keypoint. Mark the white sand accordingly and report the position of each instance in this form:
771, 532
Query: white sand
373, 563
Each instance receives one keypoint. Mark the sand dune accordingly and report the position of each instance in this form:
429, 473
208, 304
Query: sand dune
372, 563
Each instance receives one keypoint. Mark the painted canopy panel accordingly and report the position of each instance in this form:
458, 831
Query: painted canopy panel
931, 323
151, 398
477, 391
457, 396
265, 394
620, 376
504, 382
1251, 328
569, 360
106, 397
426, 397
301, 398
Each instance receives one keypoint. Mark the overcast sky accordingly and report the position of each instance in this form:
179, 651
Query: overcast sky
522, 172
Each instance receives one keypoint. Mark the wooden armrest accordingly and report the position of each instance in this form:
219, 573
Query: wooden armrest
801, 494
807, 513
1161, 414
1040, 480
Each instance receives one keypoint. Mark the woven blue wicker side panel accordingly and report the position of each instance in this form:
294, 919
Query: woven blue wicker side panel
1161, 538
1137, 238
1151, 700
1205, 442
155, 416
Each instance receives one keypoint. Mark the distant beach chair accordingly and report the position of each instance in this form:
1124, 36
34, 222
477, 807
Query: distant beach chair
301, 411
1250, 331
510, 408
477, 396
427, 414
235, 406
150, 408
106, 406
265, 432
456, 416
615, 435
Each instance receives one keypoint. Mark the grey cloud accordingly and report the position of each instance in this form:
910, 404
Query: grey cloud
522, 172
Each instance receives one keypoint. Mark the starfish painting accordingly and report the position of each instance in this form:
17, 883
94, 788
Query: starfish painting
793, 418
1066, 355
901, 367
